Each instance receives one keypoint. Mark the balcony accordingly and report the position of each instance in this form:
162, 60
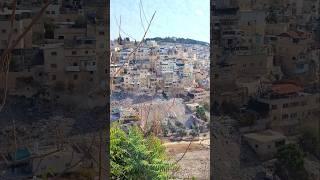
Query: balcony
91, 68
73, 68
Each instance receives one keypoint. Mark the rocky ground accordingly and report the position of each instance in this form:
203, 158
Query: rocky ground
40, 121
196, 161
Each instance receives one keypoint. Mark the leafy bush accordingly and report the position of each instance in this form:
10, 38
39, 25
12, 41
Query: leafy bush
49, 28
310, 142
247, 120
134, 156
290, 163
201, 113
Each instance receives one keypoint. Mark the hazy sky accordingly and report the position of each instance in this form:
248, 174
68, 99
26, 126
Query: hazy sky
179, 18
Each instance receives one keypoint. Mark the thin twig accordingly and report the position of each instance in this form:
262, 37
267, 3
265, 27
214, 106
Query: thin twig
138, 46
121, 30
145, 17
131, 53
28, 28
144, 29
6, 57
185, 152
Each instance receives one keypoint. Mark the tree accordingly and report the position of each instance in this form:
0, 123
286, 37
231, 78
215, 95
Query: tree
290, 163
134, 156
247, 119
194, 133
182, 132
201, 113
49, 28
310, 142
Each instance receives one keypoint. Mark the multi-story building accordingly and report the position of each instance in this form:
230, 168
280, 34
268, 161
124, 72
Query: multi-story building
290, 106
22, 20
198, 95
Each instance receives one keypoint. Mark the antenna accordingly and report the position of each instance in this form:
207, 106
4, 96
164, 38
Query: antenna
119, 27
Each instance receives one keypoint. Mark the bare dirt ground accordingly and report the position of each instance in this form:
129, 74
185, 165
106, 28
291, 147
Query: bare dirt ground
196, 161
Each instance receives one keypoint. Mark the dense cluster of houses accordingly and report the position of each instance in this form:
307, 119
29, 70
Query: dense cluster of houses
169, 67
63, 52
267, 60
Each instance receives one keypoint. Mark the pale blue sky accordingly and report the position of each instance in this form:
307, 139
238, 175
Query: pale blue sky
179, 18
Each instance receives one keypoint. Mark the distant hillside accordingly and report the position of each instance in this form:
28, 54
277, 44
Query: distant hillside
178, 40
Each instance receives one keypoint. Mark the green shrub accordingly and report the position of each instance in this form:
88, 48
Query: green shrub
310, 142
290, 163
134, 156
201, 113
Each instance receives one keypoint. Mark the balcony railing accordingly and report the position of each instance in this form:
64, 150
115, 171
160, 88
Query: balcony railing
91, 68
73, 68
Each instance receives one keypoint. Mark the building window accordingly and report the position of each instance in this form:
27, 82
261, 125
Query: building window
16, 30
86, 52
53, 12
91, 72
75, 77
53, 53
74, 52
303, 103
3, 30
294, 104
293, 115
40, 74
101, 33
53, 77
61, 37
256, 146
75, 64
285, 116
273, 107
53, 65
285, 105
93, 63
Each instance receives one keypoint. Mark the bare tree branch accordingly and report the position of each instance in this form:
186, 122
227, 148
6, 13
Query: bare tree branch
6, 55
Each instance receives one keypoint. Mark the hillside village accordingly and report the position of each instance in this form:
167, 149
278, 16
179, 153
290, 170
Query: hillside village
263, 58
163, 87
